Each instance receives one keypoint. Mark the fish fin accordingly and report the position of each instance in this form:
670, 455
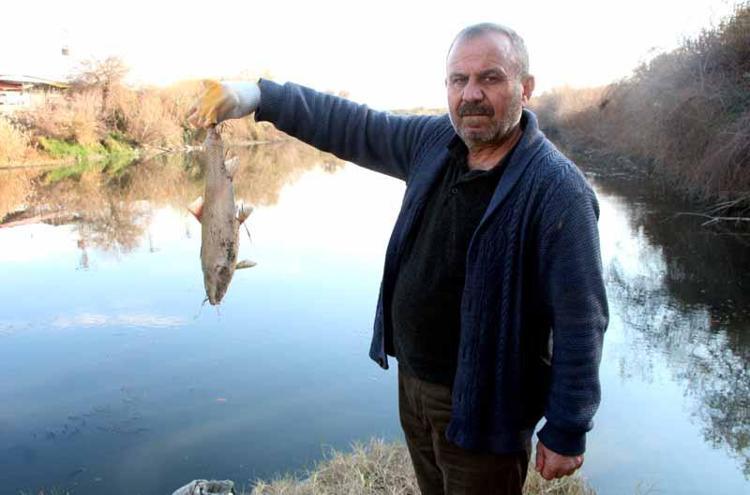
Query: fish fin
196, 207
243, 211
232, 164
245, 264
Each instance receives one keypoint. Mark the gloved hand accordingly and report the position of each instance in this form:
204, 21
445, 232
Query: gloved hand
224, 100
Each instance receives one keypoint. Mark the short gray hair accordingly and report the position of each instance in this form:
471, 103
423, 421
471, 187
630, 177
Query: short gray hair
520, 53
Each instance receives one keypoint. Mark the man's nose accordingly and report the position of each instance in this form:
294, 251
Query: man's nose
472, 91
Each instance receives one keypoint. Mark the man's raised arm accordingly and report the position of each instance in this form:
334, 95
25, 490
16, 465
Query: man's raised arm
381, 141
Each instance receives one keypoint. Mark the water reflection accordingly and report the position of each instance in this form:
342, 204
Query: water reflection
111, 207
116, 379
680, 291
119, 381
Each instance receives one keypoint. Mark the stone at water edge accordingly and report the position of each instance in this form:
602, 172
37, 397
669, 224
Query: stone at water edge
205, 487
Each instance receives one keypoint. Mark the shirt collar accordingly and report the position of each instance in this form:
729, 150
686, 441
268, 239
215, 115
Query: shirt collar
457, 148
460, 154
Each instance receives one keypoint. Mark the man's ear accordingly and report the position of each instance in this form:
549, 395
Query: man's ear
528, 89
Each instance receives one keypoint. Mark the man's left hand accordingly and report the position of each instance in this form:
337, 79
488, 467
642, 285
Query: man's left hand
552, 465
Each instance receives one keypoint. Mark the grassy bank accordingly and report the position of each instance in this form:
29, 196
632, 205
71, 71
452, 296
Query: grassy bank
379, 468
683, 117
99, 116
376, 468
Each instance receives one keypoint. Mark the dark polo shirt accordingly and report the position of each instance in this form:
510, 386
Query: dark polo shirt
427, 294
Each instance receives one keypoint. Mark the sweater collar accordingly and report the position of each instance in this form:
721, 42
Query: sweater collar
532, 140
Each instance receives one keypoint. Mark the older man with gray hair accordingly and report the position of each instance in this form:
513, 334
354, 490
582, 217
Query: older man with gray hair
492, 299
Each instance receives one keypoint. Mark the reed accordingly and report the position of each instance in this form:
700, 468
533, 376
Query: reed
683, 117
14, 141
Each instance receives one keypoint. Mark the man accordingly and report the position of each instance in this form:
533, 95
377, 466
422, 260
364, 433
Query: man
492, 297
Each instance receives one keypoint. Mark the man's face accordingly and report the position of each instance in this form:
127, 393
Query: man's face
485, 91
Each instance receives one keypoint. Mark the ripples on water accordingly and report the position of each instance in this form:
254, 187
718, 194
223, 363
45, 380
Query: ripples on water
114, 380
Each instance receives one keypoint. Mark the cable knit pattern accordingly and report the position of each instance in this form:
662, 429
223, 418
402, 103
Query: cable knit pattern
534, 309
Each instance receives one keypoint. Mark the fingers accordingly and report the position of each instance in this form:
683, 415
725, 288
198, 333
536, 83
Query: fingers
200, 116
212, 102
549, 473
539, 458
552, 465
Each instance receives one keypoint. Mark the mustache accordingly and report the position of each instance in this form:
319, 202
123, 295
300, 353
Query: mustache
470, 108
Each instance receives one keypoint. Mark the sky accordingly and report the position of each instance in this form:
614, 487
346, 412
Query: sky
389, 54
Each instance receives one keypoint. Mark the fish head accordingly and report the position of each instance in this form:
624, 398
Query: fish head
216, 278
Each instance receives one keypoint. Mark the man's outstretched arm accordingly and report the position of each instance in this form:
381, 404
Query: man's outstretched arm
381, 141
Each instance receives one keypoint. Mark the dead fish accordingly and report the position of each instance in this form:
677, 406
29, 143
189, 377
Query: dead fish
220, 219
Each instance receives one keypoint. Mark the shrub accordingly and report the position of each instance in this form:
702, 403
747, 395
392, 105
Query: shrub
684, 115
14, 141
147, 119
75, 118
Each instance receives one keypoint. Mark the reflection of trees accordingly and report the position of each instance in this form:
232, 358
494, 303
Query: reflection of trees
112, 207
267, 169
689, 305
16, 186
115, 227
106, 219
702, 267
723, 382
699, 351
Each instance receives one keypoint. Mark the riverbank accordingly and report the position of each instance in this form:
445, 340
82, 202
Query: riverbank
380, 468
375, 468
683, 118
100, 118
60, 154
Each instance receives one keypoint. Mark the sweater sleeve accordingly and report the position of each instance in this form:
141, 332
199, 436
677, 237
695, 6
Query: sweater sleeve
380, 141
574, 296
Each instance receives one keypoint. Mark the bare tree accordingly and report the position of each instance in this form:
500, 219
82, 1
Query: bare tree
104, 75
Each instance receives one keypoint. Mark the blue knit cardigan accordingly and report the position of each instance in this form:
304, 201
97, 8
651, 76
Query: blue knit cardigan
534, 308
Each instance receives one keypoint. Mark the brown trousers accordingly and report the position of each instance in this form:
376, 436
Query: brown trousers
443, 468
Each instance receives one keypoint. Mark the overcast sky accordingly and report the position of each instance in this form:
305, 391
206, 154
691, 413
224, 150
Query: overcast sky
389, 53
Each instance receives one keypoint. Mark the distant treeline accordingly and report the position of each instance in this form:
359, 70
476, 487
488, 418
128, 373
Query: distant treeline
683, 117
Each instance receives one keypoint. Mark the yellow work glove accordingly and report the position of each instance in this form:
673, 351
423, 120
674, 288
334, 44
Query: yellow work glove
224, 100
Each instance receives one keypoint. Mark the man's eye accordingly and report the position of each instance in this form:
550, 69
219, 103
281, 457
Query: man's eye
458, 81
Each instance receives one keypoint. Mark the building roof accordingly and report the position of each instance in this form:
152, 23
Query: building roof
23, 79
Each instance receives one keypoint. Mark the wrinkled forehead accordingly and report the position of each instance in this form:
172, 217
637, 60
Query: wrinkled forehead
481, 52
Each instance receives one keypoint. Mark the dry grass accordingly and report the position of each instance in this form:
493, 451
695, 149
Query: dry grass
14, 141
684, 116
567, 109
75, 118
147, 119
92, 111
380, 468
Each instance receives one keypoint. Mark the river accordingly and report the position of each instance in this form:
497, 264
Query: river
115, 379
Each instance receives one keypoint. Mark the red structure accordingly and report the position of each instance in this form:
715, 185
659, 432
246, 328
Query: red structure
21, 91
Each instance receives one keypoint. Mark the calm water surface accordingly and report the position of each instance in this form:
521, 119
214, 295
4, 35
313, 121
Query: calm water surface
115, 380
